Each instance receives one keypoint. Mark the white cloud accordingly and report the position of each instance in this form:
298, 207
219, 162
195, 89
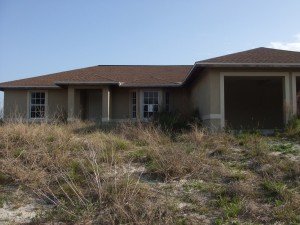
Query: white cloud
293, 46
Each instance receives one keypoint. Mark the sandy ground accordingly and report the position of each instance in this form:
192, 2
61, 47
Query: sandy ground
18, 206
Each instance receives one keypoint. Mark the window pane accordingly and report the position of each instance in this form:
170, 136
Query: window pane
155, 108
145, 108
145, 94
156, 94
146, 101
37, 109
151, 101
155, 101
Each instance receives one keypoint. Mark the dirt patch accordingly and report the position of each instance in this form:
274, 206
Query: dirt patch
18, 206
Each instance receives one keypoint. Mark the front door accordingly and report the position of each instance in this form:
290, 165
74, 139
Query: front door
94, 105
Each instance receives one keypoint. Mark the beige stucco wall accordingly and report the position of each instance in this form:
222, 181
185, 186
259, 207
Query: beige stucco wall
57, 103
15, 104
179, 100
120, 99
205, 91
200, 93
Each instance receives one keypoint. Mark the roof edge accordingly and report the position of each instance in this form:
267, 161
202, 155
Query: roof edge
28, 87
212, 64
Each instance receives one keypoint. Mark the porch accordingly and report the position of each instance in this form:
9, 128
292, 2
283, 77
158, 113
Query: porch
89, 103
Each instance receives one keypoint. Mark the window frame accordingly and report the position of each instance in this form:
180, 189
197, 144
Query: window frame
133, 105
29, 105
142, 94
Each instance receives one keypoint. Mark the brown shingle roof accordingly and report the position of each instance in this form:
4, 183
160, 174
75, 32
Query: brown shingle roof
149, 76
152, 76
257, 56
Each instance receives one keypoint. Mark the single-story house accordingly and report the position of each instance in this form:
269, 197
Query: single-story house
256, 88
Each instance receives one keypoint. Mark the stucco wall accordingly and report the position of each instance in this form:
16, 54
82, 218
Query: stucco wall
200, 93
15, 104
179, 100
120, 103
57, 103
205, 90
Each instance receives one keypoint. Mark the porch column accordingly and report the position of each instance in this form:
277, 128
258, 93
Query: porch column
288, 108
106, 104
71, 103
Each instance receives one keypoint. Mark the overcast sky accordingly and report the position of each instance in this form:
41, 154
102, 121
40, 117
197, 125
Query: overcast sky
39, 37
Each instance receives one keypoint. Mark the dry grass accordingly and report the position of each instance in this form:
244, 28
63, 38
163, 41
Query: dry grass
139, 174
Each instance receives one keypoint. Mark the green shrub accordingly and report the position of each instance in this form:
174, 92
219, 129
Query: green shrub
285, 148
173, 121
293, 128
275, 191
231, 206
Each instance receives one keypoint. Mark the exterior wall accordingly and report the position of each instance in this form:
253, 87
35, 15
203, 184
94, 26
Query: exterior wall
57, 103
201, 94
180, 101
206, 92
15, 104
120, 103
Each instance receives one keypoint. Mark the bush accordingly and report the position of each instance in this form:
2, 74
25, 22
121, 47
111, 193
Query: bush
174, 121
293, 128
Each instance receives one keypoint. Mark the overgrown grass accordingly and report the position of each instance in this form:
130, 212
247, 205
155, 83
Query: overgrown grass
143, 174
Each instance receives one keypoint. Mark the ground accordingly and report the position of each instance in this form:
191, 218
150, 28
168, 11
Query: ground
144, 174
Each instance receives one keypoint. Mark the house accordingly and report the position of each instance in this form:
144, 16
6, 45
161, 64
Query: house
255, 88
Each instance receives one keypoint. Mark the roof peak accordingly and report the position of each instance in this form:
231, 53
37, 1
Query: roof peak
261, 55
142, 65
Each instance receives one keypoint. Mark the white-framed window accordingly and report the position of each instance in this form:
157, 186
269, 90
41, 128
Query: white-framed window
167, 101
133, 104
37, 108
150, 103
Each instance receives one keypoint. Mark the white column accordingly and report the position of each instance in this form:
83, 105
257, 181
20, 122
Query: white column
71, 103
106, 104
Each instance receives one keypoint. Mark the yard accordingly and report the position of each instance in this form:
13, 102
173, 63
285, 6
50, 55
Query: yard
141, 174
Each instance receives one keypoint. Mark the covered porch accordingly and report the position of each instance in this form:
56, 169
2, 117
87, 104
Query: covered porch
92, 103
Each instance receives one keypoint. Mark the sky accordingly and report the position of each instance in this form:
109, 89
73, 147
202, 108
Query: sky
39, 37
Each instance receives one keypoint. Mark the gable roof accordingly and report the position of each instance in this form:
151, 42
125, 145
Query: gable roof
256, 57
123, 75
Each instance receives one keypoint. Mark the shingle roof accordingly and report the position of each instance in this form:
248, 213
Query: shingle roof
149, 76
257, 56
153, 76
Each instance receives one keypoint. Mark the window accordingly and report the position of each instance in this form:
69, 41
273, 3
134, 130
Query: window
133, 105
150, 103
167, 99
37, 105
